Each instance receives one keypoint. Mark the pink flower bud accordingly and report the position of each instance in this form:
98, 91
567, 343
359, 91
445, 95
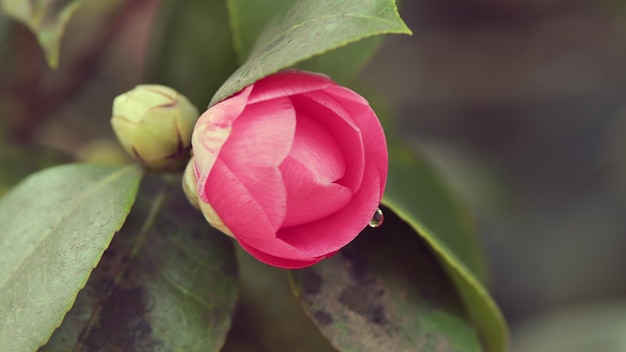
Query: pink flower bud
293, 166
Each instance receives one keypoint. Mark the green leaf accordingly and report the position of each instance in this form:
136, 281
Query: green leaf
191, 48
249, 17
418, 196
166, 283
386, 291
309, 28
47, 19
54, 227
343, 64
18, 163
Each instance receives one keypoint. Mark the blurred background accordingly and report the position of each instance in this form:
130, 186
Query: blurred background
518, 104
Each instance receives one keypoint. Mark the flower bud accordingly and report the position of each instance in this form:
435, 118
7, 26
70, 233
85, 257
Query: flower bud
154, 123
293, 166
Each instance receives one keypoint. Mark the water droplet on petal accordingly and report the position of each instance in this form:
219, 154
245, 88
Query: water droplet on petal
377, 218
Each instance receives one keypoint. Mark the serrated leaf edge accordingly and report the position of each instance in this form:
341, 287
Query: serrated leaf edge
220, 95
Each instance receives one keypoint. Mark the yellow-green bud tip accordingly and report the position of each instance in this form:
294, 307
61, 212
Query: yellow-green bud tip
154, 123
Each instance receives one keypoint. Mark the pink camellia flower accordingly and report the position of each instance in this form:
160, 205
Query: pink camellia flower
293, 166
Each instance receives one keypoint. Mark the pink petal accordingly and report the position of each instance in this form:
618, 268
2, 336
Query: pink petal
260, 140
364, 117
310, 198
235, 205
262, 135
333, 232
278, 261
211, 132
265, 185
328, 113
275, 246
316, 149
242, 214
288, 83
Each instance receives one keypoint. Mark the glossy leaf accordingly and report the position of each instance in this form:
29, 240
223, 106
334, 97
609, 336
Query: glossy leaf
386, 291
47, 19
166, 283
191, 49
249, 17
54, 227
307, 29
419, 197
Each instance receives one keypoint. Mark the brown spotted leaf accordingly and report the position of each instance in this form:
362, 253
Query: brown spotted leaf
166, 283
386, 292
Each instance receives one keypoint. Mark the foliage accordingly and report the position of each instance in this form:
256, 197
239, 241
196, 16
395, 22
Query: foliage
55, 226
165, 280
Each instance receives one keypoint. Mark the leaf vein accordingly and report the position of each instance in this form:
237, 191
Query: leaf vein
185, 291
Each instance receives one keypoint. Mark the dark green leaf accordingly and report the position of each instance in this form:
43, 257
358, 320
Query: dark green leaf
191, 49
386, 291
248, 19
47, 19
18, 163
166, 283
343, 64
309, 28
420, 198
54, 227
269, 317
414, 188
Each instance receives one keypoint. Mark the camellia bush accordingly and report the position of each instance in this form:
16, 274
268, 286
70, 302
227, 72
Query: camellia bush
286, 215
